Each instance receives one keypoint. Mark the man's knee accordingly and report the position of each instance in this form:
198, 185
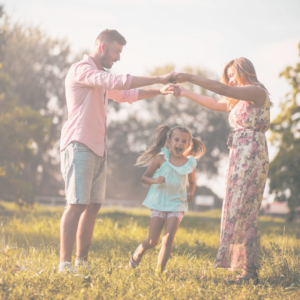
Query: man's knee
92, 209
75, 209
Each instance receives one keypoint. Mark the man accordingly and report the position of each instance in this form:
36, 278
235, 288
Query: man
83, 139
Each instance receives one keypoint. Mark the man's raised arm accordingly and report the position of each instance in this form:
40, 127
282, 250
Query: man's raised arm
140, 81
86, 74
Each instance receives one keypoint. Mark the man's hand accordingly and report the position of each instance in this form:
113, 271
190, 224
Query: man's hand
165, 79
190, 197
172, 89
159, 180
179, 77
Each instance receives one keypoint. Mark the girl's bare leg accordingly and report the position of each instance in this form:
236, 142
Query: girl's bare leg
172, 225
155, 228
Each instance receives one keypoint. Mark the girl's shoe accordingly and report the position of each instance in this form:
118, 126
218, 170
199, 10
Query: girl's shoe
134, 263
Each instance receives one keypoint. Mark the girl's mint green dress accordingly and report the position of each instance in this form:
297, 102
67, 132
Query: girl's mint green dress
170, 196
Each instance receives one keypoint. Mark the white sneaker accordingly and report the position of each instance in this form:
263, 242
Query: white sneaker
66, 267
82, 264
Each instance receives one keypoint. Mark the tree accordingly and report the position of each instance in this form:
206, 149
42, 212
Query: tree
131, 135
285, 168
21, 129
36, 66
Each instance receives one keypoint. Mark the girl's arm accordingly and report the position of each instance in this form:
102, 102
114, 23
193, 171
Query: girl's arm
191, 186
148, 176
207, 102
249, 93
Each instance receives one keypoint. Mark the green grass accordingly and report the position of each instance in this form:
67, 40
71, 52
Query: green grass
30, 239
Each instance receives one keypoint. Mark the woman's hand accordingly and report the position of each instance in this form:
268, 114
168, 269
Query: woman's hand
159, 180
179, 77
172, 89
190, 197
182, 92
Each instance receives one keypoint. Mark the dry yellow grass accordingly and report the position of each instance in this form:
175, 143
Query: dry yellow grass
30, 239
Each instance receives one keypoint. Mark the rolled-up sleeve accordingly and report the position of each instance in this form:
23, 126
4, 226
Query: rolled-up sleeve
124, 96
86, 74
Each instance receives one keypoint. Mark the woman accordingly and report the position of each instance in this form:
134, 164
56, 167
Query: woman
248, 102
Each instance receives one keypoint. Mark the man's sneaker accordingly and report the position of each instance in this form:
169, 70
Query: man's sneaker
82, 264
66, 267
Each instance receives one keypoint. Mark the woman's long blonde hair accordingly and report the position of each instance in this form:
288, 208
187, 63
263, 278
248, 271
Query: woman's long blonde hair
246, 74
164, 133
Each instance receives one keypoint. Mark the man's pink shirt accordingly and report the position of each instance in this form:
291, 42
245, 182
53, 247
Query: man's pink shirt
87, 92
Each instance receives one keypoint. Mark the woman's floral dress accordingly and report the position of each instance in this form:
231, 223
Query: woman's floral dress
245, 182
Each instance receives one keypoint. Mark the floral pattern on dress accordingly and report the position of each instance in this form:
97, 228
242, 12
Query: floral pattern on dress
245, 182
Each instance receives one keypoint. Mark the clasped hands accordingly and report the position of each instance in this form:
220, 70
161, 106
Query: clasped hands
174, 89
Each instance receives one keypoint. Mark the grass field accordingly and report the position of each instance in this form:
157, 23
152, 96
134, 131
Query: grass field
30, 239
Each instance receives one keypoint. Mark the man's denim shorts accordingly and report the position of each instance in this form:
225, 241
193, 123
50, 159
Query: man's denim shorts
84, 174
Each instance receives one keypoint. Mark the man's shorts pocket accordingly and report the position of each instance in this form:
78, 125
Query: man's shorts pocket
66, 159
79, 147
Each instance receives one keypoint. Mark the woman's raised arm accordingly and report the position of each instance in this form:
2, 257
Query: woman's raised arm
250, 93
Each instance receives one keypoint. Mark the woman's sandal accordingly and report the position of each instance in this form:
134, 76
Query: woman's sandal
134, 263
230, 279
240, 279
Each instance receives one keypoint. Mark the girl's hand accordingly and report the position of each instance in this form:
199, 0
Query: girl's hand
159, 180
190, 197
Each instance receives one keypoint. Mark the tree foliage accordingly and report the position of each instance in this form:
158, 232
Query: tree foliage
285, 168
32, 103
129, 136
21, 129
33, 68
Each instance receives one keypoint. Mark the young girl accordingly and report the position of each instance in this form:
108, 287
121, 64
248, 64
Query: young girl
172, 177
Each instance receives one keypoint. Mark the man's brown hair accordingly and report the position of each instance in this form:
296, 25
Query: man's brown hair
110, 35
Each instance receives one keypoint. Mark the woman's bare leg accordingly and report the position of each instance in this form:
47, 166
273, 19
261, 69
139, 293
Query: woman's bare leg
172, 225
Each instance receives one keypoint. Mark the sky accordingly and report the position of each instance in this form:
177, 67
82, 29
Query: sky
197, 33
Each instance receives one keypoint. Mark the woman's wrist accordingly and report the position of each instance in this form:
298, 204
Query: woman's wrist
190, 78
185, 93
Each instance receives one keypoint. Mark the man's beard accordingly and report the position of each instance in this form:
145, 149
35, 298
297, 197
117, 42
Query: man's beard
106, 60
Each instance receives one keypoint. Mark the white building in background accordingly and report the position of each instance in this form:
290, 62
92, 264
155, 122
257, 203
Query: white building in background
276, 209
205, 200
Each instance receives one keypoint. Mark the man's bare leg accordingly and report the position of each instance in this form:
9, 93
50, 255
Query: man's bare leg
85, 230
68, 229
